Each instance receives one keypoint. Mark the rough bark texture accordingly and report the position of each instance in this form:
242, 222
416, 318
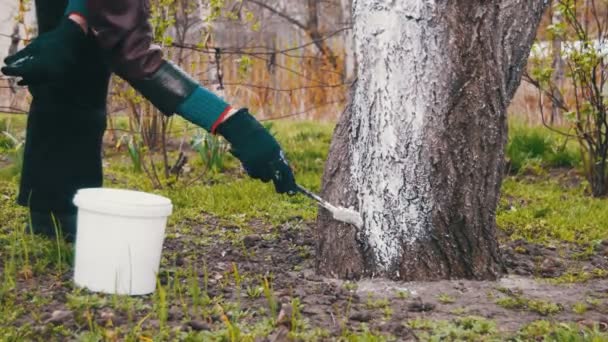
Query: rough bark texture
420, 152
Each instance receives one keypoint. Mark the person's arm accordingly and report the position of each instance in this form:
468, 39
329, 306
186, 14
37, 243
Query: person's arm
122, 30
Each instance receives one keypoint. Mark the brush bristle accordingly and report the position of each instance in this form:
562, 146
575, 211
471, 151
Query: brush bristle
348, 216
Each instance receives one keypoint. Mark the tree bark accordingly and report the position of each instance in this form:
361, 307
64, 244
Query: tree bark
557, 79
420, 153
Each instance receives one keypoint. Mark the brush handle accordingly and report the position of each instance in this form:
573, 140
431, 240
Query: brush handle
316, 198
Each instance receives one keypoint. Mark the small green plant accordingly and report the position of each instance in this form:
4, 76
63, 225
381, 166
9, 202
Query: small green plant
134, 150
403, 294
270, 297
594, 302
212, 150
350, 286
254, 292
547, 331
296, 315
194, 290
580, 308
445, 298
459, 311
373, 304
518, 302
237, 282
544, 308
470, 328
161, 304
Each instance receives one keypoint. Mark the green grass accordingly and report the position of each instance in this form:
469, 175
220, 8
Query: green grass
542, 307
544, 211
469, 328
536, 208
532, 146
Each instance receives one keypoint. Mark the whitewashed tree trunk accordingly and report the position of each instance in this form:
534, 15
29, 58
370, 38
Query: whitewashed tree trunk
420, 152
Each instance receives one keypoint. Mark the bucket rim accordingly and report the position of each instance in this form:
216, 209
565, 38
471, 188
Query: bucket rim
123, 202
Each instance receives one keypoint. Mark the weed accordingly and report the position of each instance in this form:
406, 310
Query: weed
445, 298
518, 302
237, 282
580, 308
270, 298
161, 305
350, 286
254, 292
377, 303
403, 294
470, 328
580, 276
548, 331
212, 150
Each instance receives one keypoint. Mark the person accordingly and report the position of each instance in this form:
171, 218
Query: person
65, 126
67, 69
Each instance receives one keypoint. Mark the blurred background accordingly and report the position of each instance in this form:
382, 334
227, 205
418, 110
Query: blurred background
293, 60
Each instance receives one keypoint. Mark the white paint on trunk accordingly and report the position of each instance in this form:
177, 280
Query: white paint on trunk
396, 91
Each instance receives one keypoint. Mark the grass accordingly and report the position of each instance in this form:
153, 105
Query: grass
536, 208
542, 307
470, 328
545, 210
530, 147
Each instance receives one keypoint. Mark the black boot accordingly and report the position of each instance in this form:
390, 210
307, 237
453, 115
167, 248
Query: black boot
50, 225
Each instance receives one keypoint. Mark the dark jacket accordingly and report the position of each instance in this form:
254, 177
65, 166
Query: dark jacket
124, 33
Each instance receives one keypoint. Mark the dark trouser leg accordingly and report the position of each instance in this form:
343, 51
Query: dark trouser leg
50, 225
64, 137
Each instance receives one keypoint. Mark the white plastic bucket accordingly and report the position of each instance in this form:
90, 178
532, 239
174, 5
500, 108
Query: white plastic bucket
119, 240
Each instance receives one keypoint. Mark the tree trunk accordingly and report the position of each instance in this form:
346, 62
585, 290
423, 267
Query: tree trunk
557, 79
420, 153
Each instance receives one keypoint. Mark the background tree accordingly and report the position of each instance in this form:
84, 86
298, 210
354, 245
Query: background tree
582, 98
420, 152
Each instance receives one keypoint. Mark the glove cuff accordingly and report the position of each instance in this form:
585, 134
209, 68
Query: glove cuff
237, 128
77, 6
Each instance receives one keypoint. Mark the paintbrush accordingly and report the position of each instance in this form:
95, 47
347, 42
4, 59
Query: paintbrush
339, 213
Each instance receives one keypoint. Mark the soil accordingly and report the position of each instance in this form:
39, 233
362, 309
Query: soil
286, 253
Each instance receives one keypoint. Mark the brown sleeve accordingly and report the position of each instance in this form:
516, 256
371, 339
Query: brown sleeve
125, 35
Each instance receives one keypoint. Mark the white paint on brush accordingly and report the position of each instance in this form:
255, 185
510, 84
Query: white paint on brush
348, 216
400, 55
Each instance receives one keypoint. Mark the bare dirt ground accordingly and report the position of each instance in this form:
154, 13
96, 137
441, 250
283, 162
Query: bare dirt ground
286, 255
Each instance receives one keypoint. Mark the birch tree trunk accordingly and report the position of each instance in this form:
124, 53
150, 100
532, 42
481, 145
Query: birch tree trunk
420, 153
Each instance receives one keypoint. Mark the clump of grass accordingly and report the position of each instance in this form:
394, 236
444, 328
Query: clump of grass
212, 150
270, 298
403, 294
445, 298
254, 292
374, 304
542, 307
548, 331
580, 308
580, 276
470, 328
530, 147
